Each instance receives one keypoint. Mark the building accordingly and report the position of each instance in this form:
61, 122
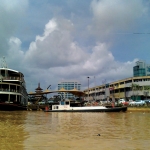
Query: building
141, 69
136, 87
68, 85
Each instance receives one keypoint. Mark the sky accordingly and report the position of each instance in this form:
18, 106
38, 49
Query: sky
50, 41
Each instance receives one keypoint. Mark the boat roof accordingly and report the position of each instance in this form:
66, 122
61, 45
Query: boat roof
11, 70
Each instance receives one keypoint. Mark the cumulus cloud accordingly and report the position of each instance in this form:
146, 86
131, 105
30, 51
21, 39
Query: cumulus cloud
100, 57
56, 47
115, 16
10, 12
57, 54
100, 63
15, 53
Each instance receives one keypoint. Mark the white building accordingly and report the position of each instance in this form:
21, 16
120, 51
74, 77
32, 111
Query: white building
68, 85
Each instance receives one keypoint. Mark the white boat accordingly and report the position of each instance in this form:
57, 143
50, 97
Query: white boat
13, 94
64, 106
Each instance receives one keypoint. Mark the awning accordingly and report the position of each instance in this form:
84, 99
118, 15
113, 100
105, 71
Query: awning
73, 91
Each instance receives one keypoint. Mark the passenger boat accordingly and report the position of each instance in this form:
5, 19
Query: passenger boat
64, 106
13, 94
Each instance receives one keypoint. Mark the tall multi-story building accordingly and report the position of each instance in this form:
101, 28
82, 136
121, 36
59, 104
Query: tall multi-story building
141, 69
68, 85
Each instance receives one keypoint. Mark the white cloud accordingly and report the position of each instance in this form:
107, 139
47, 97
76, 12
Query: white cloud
10, 13
57, 54
11, 6
99, 58
115, 16
15, 53
49, 27
56, 47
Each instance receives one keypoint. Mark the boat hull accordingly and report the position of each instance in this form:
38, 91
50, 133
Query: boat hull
11, 107
113, 109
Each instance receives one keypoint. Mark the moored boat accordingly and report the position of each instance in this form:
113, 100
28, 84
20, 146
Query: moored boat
64, 106
13, 94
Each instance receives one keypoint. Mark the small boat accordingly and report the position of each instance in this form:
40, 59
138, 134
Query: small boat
64, 106
13, 94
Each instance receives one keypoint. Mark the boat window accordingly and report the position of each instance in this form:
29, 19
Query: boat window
62, 103
67, 103
3, 73
55, 107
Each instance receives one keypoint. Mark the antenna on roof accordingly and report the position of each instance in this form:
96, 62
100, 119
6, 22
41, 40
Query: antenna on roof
3, 63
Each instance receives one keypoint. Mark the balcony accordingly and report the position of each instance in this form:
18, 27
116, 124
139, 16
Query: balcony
13, 78
9, 90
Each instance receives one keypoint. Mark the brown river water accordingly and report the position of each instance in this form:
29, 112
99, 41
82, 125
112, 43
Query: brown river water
38, 130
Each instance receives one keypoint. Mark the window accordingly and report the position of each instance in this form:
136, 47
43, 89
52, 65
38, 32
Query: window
55, 107
121, 83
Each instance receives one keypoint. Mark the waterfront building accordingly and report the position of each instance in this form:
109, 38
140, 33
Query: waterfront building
136, 87
68, 85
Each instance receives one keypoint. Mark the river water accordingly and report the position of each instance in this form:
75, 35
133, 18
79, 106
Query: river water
38, 130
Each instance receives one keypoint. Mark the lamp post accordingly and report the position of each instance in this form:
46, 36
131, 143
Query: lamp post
95, 88
88, 88
105, 95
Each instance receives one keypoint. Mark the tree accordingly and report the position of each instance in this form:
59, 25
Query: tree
135, 88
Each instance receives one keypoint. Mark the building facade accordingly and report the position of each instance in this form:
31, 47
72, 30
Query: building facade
136, 87
68, 85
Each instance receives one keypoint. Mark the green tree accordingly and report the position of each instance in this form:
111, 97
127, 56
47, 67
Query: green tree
135, 88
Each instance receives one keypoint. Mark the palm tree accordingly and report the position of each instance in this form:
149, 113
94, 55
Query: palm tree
135, 88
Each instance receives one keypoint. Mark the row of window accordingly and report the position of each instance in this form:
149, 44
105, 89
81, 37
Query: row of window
111, 87
69, 83
68, 86
130, 81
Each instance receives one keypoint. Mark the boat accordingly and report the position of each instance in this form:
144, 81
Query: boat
64, 106
13, 94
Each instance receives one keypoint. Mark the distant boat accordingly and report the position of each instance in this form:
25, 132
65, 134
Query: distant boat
13, 94
64, 106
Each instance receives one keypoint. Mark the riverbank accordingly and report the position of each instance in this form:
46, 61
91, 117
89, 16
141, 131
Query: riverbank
142, 109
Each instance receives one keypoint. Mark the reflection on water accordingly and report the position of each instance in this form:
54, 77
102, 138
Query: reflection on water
12, 133
64, 131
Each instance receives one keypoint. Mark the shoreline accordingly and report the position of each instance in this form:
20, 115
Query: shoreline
143, 109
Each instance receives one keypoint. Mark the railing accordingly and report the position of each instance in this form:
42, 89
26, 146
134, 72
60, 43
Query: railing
10, 90
13, 78
13, 90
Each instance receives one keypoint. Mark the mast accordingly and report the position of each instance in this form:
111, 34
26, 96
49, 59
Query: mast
3, 63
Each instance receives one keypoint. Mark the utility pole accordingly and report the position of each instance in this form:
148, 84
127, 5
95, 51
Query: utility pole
104, 82
95, 87
88, 88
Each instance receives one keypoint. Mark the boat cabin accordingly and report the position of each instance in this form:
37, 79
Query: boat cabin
61, 106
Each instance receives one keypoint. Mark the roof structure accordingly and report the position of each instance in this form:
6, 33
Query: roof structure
74, 92
38, 89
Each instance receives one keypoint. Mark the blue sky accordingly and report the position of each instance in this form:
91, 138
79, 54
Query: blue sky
54, 40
